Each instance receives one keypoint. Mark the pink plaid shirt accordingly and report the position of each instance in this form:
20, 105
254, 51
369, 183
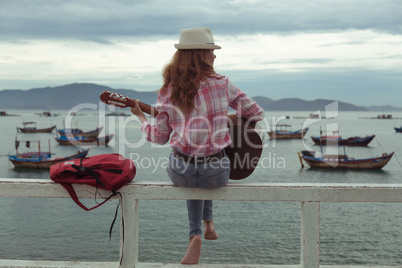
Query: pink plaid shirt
204, 131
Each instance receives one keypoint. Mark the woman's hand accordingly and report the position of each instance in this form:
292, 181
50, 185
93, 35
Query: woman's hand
136, 110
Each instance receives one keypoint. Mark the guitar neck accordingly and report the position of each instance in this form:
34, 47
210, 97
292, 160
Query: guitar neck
148, 109
122, 101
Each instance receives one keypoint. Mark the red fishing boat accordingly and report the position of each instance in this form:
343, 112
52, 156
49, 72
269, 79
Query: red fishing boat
315, 160
336, 140
33, 129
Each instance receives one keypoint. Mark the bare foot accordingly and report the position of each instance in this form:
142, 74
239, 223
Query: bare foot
193, 252
209, 233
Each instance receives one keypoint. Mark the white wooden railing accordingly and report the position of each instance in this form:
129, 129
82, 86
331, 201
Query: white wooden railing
308, 195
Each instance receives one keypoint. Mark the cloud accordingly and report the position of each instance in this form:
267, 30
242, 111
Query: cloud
303, 51
91, 19
291, 53
360, 87
287, 45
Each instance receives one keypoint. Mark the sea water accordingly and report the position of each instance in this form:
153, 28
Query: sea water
249, 232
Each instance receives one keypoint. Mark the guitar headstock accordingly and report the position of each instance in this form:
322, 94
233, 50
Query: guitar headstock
116, 99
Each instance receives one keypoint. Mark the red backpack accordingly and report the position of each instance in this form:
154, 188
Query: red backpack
105, 171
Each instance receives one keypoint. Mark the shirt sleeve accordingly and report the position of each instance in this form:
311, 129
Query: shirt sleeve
160, 131
244, 106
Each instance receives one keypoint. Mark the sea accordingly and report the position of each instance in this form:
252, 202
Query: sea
249, 232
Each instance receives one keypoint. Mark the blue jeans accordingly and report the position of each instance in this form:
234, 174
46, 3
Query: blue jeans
210, 175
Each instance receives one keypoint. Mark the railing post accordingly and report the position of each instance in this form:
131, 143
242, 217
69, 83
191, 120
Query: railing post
129, 232
310, 235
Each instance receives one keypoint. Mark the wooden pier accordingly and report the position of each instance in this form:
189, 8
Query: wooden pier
308, 195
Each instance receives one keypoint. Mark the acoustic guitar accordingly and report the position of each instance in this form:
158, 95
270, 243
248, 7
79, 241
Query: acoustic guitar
244, 152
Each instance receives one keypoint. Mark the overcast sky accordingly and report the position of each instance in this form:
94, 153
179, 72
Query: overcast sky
347, 50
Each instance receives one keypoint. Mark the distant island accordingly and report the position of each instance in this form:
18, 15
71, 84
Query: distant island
67, 96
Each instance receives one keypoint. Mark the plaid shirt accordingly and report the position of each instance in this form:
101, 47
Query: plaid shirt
204, 131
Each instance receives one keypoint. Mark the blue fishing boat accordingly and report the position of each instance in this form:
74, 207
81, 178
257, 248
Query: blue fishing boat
39, 159
284, 132
80, 132
84, 141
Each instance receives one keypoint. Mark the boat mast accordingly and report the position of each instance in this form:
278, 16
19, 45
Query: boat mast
322, 153
16, 145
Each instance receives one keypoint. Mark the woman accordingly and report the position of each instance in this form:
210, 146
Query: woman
193, 104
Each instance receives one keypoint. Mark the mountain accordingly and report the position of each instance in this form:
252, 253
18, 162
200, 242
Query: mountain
67, 96
384, 108
295, 104
64, 97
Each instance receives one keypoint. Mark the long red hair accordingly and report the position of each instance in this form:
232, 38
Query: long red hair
184, 73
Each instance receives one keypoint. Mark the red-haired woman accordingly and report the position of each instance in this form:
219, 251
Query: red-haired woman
193, 106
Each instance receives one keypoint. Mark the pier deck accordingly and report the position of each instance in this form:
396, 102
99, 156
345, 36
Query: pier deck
308, 195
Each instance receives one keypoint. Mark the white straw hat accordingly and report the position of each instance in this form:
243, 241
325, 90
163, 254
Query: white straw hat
196, 38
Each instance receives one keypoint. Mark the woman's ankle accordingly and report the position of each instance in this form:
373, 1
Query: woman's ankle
210, 233
193, 251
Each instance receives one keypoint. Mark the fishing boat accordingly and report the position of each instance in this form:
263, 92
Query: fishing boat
384, 116
46, 114
83, 141
32, 129
398, 129
78, 132
336, 140
285, 132
39, 159
317, 160
4, 113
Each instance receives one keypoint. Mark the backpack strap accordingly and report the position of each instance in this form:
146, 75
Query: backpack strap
74, 196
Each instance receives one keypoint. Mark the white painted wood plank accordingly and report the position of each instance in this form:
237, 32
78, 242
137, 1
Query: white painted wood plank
58, 264
129, 248
172, 265
308, 194
67, 264
234, 191
310, 235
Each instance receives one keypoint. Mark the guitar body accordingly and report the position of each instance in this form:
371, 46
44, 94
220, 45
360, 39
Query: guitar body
244, 152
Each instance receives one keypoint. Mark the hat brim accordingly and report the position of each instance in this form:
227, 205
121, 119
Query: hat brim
197, 46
